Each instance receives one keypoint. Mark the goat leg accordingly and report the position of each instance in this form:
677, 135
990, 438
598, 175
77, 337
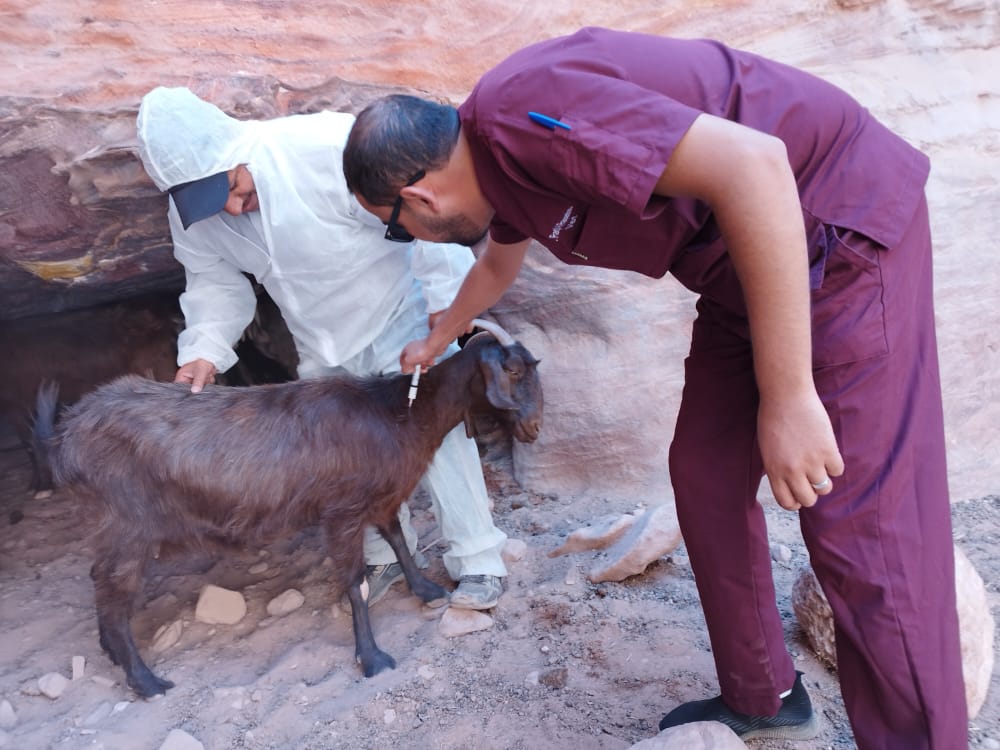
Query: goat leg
428, 591
114, 609
367, 653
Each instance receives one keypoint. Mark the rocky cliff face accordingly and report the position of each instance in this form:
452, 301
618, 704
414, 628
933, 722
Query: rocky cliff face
80, 222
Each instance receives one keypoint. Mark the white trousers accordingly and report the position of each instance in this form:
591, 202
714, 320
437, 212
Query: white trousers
454, 480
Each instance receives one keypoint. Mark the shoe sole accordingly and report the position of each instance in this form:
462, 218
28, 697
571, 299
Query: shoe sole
804, 731
475, 605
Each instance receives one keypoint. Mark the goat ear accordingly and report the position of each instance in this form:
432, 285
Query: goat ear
498, 390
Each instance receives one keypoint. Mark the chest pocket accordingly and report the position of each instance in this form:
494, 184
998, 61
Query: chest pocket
614, 239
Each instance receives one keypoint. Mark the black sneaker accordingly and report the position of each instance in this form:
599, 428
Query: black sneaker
795, 719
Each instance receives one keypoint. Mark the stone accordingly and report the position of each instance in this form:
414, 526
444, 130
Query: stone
976, 626
286, 602
167, 636
699, 735
219, 606
513, 550
8, 717
456, 622
600, 534
78, 665
178, 739
52, 685
654, 534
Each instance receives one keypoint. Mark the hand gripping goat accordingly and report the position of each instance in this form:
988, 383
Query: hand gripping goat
168, 467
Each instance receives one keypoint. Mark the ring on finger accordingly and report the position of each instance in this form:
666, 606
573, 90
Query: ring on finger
821, 485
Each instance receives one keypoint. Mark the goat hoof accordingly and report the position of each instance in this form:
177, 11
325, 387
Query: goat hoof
431, 594
375, 663
150, 686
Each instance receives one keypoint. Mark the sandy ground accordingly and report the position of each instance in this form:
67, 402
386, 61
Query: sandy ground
566, 664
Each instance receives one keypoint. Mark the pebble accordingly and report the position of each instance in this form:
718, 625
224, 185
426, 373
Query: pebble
455, 622
52, 685
167, 636
513, 550
286, 602
178, 739
781, 553
78, 663
8, 717
219, 606
258, 568
389, 716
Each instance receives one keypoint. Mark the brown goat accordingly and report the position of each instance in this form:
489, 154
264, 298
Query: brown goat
172, 468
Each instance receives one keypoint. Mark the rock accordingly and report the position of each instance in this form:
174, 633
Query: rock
285, 602
78, 663
700, 735
601, 534
455, 622
781, 553
178, 739
654, 534
167, 636
513, 551
976, 626
257, 568
52, 685
8, 717
219, 606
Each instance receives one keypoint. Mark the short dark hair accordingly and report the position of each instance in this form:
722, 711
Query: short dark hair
392, 139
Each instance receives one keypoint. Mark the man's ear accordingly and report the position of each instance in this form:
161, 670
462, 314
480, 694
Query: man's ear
423, 194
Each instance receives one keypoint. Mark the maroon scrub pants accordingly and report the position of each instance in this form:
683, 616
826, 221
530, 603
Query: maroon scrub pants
880, 543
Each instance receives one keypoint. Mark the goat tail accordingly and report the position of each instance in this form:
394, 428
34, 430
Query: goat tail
43, 430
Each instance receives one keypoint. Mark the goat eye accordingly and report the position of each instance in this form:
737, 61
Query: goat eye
514, 374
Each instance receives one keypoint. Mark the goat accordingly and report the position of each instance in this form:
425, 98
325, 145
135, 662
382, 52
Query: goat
168, 467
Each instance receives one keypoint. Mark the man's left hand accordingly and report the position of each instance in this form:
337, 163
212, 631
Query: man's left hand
799, 450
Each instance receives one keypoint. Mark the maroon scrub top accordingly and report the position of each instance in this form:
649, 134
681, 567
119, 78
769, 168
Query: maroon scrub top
583, 187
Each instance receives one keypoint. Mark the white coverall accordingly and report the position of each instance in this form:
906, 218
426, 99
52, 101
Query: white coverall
350, 298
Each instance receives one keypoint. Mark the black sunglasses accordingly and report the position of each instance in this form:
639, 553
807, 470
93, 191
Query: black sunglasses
393, 231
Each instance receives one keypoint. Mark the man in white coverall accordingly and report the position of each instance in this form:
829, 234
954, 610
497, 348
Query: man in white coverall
269, 198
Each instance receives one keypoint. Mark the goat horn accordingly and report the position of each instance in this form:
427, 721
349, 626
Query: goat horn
501, 335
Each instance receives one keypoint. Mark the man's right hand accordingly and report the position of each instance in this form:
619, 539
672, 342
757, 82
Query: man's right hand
418, 352
197, 373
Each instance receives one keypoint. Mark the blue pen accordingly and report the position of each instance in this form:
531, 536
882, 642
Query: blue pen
548, 122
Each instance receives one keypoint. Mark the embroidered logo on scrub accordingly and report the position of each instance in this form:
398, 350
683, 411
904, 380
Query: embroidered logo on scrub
567, 221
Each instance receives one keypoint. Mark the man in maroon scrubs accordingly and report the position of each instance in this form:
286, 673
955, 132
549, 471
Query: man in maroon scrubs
801, 223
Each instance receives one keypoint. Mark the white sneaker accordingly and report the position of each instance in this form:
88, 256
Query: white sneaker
477, 592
